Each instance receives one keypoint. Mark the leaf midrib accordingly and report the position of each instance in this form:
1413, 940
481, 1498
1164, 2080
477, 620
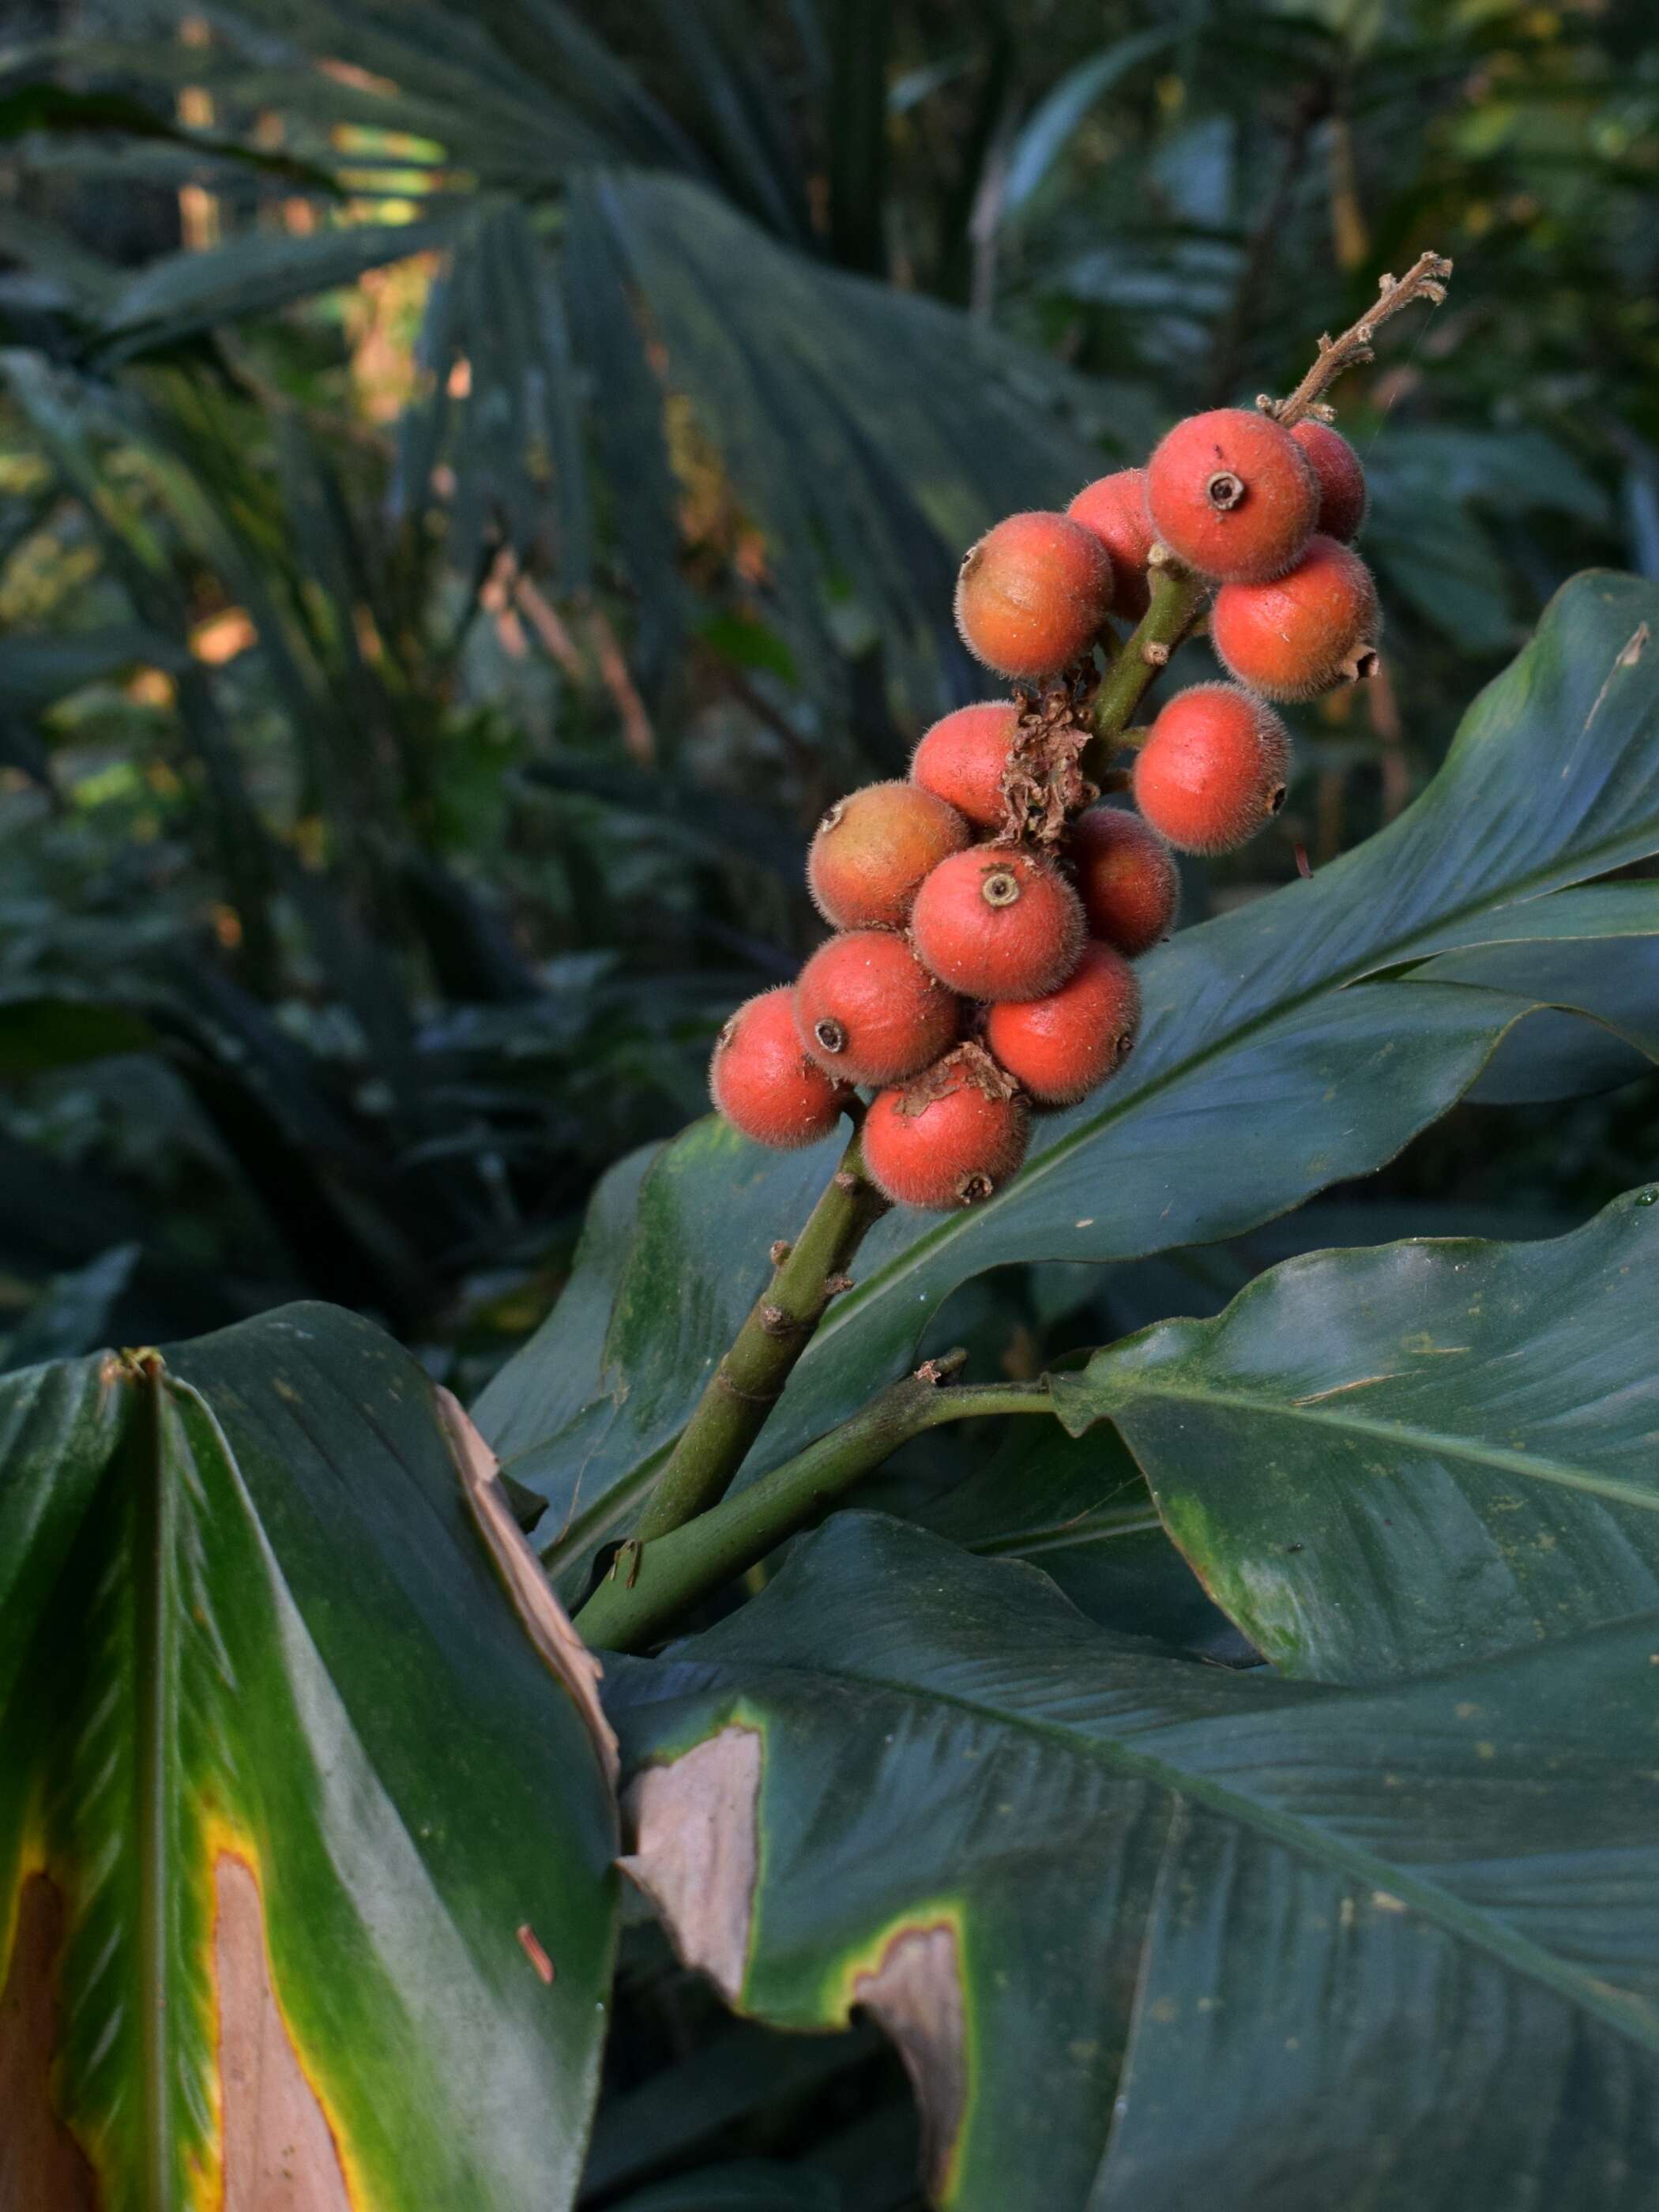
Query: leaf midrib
1438, 1442
1453, 1914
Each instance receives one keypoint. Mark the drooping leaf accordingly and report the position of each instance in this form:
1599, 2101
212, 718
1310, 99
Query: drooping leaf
1044, 133
303, 1846
1388, 1461
72, 1314
1136, 1923
1283, 1050
189, 292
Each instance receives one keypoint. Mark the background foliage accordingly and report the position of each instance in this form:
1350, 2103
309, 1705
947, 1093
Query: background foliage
474, 480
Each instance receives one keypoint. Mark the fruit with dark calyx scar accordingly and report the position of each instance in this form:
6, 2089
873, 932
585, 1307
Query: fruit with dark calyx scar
1033, 593
1061, 1048
956, 1134
873, 849
868, 1011
1126, 878
1232, 494
1214, 770
1303, 633
996, 922
763, 1082
1114, 508
961, 760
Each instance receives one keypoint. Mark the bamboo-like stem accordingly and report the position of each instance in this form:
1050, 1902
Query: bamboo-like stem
649, 1587
750, 1379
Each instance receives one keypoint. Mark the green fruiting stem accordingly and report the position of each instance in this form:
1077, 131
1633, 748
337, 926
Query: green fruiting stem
750, 1380
652, 1584
1177, 598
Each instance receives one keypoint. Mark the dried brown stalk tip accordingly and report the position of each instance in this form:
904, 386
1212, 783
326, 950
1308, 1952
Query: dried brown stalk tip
1425, 279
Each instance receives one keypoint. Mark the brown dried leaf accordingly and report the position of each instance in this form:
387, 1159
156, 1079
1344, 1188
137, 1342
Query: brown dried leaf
545, 1620
696, 1851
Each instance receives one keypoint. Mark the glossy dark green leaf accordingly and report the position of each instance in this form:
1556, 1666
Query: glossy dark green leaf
1284, 1049
1151, 1933
304, 1845
1596, 950
1077, 1507
1384, 1462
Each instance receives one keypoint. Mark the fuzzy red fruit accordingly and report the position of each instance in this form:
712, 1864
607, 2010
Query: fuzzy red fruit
961, 760
1062, 1047
1033, 593
1232, 494
1114, 508
995, 923
868, 1011
873, 850
955, 1136
1304, 632
1213, 771
1342, 494
763, 1083
1126, 878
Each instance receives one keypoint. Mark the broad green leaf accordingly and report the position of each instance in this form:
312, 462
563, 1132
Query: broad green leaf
304, 1844
1280, 1053
1150, 1934
1384, 1461
1076, 1506
1596, 950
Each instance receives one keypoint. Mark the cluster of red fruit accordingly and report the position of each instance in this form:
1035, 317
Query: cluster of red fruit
982, 966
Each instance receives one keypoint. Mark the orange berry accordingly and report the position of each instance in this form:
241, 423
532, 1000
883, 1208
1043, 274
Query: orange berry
1114, 508
1126, 878
868, 1011
763, 1083
961, 760
1303, 633
1059, 1048
1232, 494
1212, 773
995, 923
955, 1136
874, 848
1033, 593
1342, 494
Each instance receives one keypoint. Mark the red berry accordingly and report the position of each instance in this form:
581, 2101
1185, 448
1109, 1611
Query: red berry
868, 1011
763, 1083
995, 923
1114, 508
1342, 492
1126, 878
1033, 593
1061, 1047
1232, 494
1303, 633
961, 760
874, 848
1212, 772
955, 1136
